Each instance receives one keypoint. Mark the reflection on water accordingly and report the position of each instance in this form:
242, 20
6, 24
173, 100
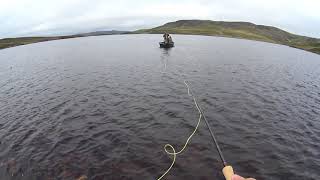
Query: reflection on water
100, 107
165, 58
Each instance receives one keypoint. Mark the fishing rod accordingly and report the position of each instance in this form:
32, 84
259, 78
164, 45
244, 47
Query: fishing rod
227, 169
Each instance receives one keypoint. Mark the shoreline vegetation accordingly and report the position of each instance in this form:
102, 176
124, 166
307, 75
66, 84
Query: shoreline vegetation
12, 42
243, 30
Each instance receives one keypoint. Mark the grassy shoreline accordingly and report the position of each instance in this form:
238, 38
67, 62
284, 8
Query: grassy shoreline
239, 30
242, 30
12, 42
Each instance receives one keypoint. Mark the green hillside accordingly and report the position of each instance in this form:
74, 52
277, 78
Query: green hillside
243, 30
11, 42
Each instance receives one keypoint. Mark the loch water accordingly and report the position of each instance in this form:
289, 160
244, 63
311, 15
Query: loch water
105, 106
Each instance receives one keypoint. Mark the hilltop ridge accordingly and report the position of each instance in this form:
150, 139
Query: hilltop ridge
245, 30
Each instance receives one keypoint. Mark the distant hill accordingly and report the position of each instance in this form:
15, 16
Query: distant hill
100, 33
243, 30
11, 42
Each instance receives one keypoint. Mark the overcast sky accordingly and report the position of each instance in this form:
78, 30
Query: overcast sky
52, 17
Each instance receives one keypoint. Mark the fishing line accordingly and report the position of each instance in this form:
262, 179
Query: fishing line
174, 153
201, 115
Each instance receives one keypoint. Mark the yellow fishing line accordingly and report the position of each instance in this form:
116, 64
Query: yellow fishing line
174, 153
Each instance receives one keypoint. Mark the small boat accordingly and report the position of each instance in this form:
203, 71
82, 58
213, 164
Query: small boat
166, 45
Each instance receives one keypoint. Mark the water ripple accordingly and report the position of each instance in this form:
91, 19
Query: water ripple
82, 107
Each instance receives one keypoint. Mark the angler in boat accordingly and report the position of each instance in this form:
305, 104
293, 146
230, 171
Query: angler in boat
167, 41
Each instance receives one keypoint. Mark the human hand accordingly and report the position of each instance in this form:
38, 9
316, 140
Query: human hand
237, 177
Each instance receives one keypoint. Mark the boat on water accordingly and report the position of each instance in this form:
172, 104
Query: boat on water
166, 45
167, 41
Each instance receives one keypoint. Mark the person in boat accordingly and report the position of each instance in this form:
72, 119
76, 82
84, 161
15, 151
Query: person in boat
169, 39
165, 38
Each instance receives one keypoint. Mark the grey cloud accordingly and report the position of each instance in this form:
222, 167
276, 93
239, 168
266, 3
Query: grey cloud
44, 17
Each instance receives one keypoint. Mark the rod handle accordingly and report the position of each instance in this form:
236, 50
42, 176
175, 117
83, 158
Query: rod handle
228, 172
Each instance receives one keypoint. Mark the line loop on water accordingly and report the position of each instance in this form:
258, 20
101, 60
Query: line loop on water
173, 151
201, 116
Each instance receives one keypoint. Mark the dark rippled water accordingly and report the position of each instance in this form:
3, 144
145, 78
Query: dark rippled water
105, 106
